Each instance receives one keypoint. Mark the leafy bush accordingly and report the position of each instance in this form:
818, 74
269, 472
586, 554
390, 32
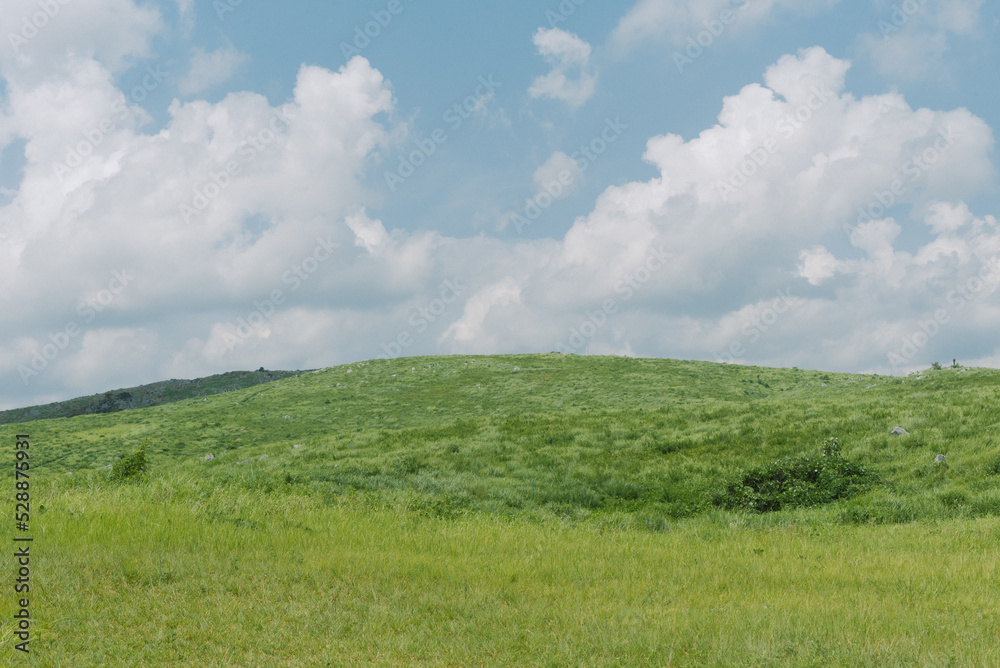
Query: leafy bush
806, 481
131, 467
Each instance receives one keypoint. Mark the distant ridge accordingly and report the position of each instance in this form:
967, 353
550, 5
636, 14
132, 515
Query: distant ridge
153, 394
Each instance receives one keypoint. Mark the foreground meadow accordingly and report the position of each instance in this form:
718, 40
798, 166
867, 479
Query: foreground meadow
175, 573
520, 510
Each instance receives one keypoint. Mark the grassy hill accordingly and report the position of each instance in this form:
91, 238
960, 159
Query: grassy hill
529, 510
651, 440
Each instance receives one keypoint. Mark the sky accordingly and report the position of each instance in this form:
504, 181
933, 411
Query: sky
189, 187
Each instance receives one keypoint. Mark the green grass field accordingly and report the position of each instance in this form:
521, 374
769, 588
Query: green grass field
541, 510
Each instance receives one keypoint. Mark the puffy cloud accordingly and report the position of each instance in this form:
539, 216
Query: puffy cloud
369, 234
471, 327
227, 190
211, 68
943, 217
817, 264
747, 208
112, 32
555, 179
806, 226
568, 55
913, 37
678, 20
561, 169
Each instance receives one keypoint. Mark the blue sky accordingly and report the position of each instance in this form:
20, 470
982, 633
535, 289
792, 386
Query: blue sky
615, 179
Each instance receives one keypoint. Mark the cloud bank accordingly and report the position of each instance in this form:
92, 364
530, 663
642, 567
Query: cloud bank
806, 227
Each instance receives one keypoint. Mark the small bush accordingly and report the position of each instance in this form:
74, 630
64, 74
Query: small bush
936, 366
131, 467
806, 481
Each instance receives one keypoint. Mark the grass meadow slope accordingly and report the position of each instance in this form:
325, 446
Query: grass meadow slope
537, 510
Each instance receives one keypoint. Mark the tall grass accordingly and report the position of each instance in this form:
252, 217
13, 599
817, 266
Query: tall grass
454, 511
172, 572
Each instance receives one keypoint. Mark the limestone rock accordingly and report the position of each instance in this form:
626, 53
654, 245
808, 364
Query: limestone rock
939, 459
899, 431
209, 457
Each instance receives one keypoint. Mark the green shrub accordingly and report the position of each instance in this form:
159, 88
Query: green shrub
131, 467
806, 481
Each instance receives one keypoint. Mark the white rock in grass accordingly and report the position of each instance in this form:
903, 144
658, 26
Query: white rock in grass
245, 461
899, 431
209, 457
939, 459
263, 456
297, 445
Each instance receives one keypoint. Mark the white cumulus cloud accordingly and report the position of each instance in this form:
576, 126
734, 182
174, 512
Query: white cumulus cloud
573, 79
677, 21
211, 68
912, 38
